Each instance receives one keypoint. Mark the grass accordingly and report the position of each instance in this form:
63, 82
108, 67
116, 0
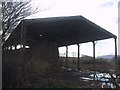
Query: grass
67, 79
55, 84
99, 67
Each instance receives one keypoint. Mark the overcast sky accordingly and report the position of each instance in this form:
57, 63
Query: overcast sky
102, 12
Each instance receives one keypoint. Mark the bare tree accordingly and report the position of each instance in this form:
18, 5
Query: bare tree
13, 13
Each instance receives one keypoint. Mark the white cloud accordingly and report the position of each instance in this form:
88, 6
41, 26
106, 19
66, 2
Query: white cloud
107, 4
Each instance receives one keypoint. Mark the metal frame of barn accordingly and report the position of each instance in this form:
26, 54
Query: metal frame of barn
39, 40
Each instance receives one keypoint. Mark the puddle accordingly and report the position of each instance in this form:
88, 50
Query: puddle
103, 78
86, 79
69, 69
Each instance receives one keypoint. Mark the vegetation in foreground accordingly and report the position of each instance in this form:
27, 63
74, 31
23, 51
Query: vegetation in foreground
67, 79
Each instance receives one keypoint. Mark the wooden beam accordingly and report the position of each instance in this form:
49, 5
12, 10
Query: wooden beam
23, 52
23, 40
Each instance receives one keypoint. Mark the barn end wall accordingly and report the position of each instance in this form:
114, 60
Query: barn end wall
11, 68
45, 53
42, 60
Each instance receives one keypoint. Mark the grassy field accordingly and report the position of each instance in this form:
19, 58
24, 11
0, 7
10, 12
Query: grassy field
100, 65
62, 79
71, 78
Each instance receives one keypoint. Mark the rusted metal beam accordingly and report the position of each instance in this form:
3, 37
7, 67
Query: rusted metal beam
94, 59
78, 56
115, 49
116, 60
66, 56
93, 54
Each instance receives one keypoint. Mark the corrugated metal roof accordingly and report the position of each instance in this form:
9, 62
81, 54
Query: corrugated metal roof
65, 30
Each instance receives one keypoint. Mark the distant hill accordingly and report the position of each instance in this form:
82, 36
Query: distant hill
106, 56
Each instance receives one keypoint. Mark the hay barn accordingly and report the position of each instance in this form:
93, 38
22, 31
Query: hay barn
32, 48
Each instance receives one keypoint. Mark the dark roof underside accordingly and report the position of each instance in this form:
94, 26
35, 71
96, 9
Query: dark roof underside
66, 30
